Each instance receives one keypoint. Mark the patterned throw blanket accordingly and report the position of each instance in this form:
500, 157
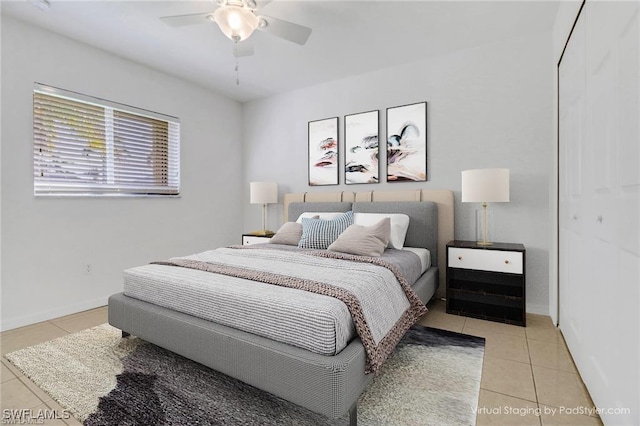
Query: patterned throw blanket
381, 302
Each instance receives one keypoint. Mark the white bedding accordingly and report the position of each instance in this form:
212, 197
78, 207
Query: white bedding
423, 254
311, 321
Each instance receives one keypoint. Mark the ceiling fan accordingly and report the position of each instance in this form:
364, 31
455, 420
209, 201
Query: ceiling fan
238, 19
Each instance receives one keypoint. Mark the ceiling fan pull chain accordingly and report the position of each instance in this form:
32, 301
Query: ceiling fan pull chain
237, 72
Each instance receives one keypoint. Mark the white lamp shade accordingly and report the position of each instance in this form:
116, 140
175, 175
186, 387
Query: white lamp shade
485, 186
264, 192
235, 22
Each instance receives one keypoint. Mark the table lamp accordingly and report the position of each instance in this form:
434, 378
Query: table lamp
263, 193
485, 186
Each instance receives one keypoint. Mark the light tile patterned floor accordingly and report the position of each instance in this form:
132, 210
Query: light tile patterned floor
17, 391
527, 376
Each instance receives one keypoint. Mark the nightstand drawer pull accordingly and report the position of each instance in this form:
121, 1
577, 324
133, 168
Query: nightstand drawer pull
511, 262
254, 239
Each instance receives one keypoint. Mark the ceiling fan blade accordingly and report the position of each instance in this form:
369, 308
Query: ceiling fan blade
192, 19
243, 48
284, 29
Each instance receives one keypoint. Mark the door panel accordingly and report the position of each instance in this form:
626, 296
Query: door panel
599, 204
572, 129
628, 107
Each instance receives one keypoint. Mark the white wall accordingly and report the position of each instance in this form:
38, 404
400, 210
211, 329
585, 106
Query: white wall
489, 106
47, 242
0, 168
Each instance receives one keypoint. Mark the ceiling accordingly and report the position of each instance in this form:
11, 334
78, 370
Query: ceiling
348, 38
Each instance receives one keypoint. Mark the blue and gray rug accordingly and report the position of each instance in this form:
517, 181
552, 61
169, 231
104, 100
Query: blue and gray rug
433, 377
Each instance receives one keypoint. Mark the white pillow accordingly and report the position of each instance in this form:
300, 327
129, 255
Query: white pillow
399, 225
319, 215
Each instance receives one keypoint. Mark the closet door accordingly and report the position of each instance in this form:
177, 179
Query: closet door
572, 131
599, 208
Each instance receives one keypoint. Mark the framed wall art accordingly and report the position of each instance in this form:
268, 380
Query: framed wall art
407, 143
323, 152
361, 148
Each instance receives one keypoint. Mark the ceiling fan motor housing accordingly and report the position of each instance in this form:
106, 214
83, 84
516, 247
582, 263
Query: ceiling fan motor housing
236, 22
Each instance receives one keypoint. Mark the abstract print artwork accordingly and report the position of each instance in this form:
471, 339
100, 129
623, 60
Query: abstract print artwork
361, 148
407, 143
323, 152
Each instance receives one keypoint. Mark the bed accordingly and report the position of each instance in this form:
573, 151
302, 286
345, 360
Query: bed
326, 384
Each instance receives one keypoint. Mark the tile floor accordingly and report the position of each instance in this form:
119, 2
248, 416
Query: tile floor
527, 375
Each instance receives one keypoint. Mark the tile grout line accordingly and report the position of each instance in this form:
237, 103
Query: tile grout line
26, 381
533, 377
57, 326
510, 396
52, 404
18, 378
21, 377
508, 359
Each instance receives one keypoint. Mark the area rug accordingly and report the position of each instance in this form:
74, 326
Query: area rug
432, 378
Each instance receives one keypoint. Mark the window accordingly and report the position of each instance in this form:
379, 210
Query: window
89, 146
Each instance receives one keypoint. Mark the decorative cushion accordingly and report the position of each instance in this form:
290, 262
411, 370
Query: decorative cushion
364, 240
318, 215
288, 234
319, 234
399, 225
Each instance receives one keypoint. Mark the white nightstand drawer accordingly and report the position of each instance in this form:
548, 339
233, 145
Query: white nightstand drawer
486, 260
253, 239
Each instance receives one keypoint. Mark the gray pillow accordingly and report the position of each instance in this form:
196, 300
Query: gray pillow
288, 234
319, 234
364, 240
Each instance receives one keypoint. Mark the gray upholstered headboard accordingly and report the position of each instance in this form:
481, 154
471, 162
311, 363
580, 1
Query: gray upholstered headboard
423, 222
442, 197
423, 218
296, 209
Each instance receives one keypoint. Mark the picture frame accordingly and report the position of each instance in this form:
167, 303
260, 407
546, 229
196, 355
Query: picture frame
407, 143
361, 151
324, 152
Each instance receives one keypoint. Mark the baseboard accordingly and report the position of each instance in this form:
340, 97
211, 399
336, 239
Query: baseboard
538, 309
35, 317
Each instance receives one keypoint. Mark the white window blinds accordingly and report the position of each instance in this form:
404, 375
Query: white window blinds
88, 146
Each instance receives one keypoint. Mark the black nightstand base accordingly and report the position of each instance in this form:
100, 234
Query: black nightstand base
487, 282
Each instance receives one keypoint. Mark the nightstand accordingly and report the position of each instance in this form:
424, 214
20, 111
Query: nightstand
248, 239
487, 282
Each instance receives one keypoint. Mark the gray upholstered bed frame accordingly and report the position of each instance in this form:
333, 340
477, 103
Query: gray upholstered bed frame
329, 385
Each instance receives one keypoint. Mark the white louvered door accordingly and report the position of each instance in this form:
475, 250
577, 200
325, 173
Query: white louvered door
599, 206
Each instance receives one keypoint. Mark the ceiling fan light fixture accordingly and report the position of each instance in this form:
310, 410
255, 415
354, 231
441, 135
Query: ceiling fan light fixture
236, 22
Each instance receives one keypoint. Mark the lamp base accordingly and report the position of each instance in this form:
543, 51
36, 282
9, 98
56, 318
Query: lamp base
263, 233
484, 227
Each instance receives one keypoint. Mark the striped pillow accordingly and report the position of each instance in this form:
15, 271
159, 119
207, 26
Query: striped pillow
319, 234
